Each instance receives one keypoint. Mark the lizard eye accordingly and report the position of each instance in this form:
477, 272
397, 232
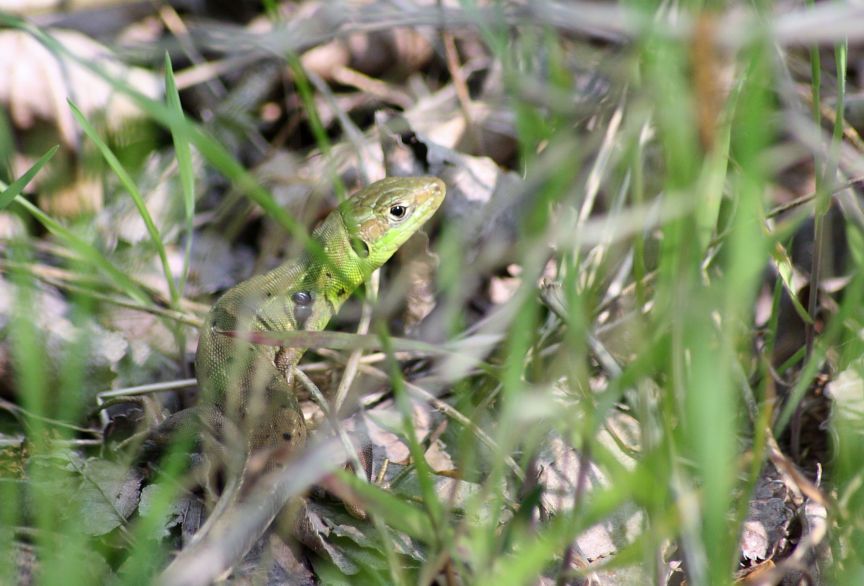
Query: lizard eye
398, 211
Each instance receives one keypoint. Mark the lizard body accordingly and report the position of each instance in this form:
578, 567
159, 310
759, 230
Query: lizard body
249, 385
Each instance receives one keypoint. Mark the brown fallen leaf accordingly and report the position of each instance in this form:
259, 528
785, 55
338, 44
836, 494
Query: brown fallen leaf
35, 84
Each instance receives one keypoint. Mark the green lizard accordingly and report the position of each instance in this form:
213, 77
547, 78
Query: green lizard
252, 383
248, 386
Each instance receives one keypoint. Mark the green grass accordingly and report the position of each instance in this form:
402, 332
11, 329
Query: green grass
641, 360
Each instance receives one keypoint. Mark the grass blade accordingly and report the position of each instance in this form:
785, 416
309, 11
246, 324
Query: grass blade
10, 193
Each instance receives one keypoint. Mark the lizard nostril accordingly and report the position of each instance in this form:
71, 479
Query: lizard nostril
437, 188
287, 436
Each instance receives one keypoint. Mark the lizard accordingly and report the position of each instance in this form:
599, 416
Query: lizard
248, 387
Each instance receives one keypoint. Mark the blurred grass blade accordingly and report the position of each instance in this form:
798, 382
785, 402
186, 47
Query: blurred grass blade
88, 253
8, 195
184, 164
434, 506
398, 514
301, 82
130, 186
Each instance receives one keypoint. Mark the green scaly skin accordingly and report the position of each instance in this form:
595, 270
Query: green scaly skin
251, 384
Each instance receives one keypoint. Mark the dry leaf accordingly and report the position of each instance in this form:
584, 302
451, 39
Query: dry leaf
420, 268
107, 494
35, 84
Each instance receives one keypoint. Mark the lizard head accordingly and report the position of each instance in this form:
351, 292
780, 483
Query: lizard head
382, 216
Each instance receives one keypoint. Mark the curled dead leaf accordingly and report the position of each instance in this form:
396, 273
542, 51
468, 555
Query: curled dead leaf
35, 84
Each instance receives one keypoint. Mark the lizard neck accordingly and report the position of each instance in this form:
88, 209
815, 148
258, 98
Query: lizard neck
345, 271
